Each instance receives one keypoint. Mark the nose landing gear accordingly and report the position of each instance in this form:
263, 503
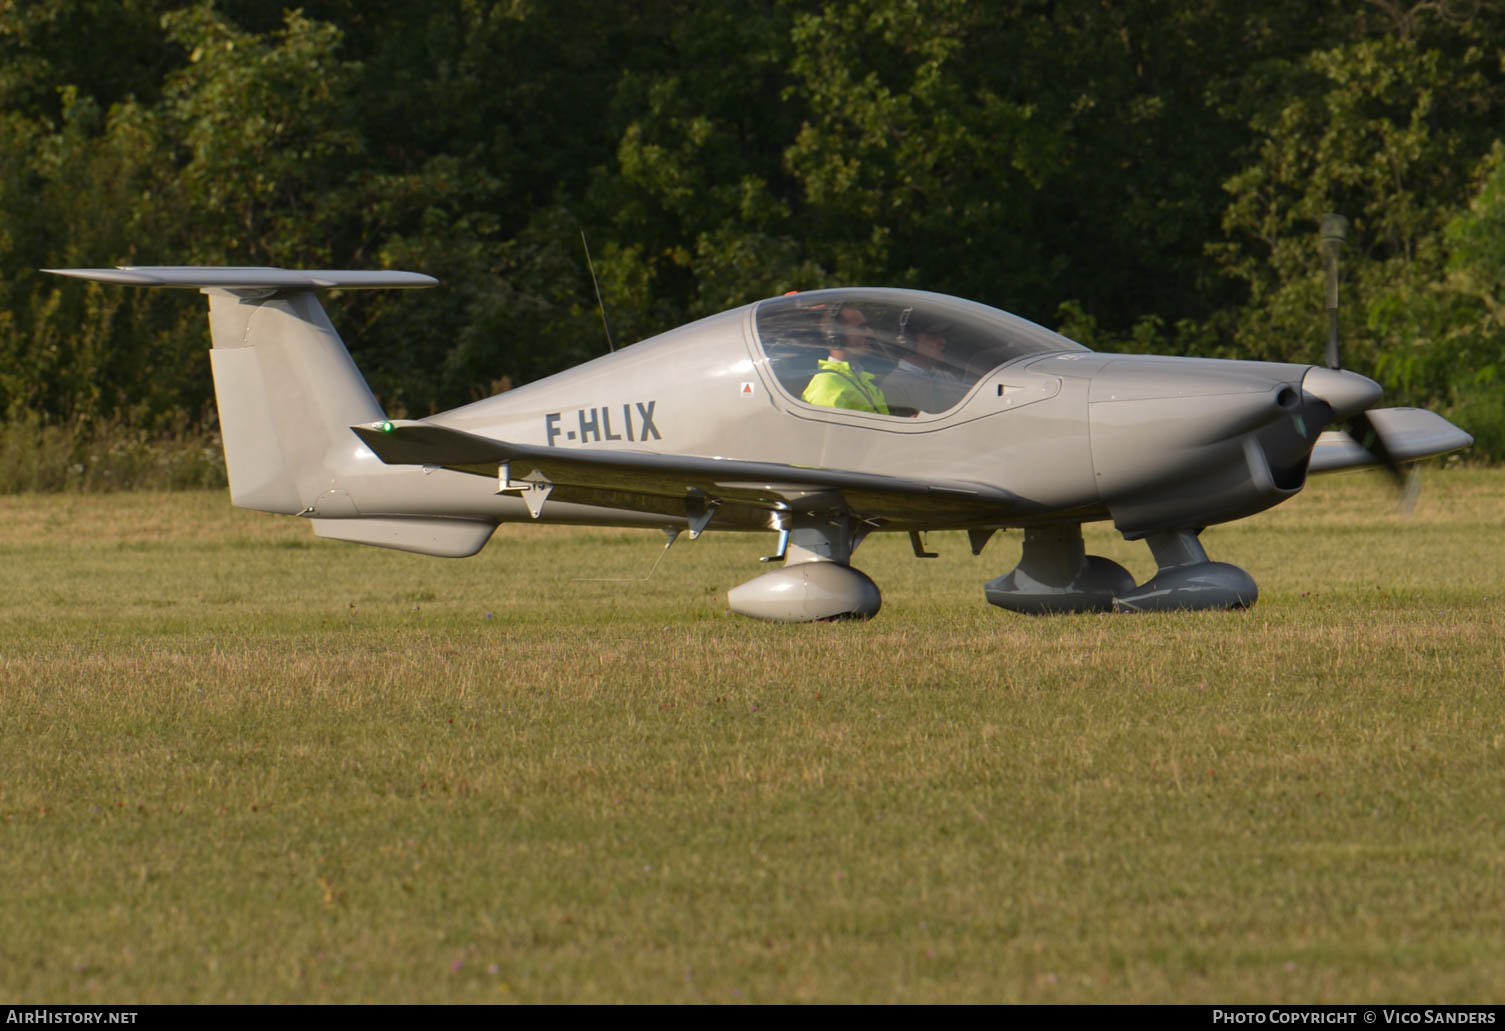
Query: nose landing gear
1055, 574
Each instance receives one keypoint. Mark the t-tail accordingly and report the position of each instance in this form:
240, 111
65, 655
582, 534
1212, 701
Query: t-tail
288, 393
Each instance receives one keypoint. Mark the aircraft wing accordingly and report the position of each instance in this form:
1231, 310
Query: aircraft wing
1411, 434
741, 492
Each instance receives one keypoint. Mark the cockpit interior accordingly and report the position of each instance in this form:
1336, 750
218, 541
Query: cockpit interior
924, 352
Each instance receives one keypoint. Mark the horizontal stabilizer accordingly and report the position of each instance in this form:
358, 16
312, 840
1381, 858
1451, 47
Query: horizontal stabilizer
224, 278
1410, 434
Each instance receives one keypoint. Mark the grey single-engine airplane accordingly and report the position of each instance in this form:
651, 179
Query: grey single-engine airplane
821, 416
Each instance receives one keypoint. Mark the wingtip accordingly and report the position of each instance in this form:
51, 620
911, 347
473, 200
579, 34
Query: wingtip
120, 276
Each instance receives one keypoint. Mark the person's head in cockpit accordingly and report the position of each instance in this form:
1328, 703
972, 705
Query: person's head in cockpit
927, 342
848, 335
840, 381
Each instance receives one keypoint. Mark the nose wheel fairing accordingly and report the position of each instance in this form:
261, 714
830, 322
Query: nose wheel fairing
1186, 579
1055, 574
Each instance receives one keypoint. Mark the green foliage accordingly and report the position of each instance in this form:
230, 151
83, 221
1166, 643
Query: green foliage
899, 125
1388, 130
1148, 176
261, 141
1148, 335
105, 49
107, 455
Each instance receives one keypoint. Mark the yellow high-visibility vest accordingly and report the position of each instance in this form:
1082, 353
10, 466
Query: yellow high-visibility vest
837, 386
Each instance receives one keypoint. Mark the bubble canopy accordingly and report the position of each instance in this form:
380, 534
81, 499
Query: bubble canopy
925, 351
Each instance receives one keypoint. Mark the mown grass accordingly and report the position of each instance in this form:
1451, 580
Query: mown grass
243, 764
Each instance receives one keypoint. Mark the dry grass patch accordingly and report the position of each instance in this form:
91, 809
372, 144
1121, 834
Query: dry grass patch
242, 764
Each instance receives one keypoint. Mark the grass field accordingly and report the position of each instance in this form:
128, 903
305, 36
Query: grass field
241, 764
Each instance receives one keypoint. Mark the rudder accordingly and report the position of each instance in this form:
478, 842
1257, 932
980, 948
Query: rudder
285, 384
288, 393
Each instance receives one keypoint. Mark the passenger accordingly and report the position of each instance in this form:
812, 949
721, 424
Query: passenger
841, 381
922, 381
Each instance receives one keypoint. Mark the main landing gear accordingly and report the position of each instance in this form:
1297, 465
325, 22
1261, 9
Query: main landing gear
815, 582
1055, 574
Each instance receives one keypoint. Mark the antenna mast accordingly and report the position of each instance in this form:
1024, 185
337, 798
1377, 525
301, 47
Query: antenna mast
599, 303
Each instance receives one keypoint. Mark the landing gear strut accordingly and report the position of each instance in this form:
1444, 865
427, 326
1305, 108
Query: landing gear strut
1055, 574
815, 582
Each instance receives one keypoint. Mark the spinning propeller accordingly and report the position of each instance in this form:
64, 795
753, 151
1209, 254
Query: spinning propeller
1357, 424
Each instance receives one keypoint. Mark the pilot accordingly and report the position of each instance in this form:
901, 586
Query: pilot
841, 381
922, 381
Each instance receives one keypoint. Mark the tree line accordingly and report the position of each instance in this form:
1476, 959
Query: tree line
1144, 176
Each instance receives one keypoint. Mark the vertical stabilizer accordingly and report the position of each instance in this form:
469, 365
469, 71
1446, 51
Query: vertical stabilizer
287, 389
288, 393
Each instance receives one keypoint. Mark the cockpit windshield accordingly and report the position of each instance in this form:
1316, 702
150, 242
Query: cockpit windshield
892, 352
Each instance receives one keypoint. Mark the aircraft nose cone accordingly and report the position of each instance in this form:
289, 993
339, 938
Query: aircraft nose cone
1346, 393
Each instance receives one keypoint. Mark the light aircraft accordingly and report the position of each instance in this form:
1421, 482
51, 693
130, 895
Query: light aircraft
971, 419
